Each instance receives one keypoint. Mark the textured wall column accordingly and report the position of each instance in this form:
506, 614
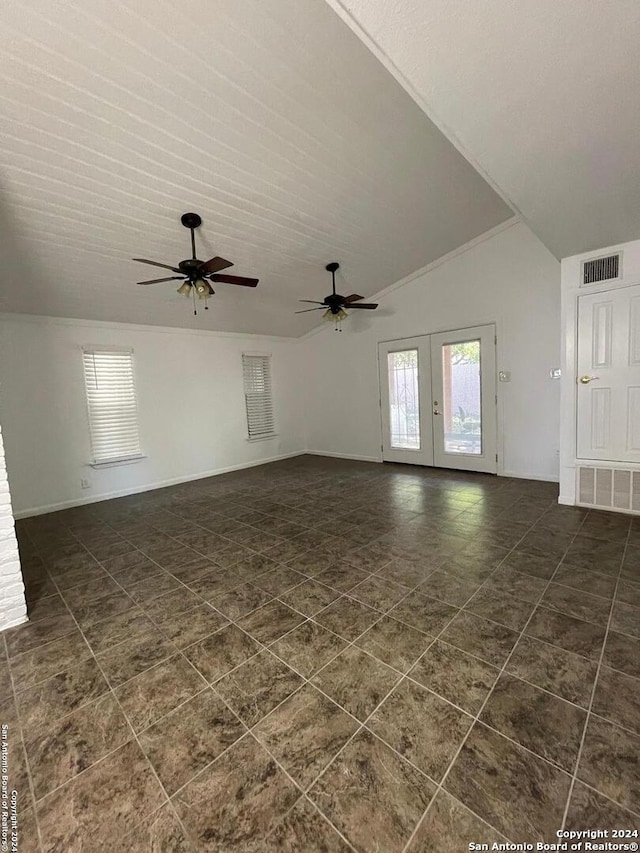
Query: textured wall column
13, 607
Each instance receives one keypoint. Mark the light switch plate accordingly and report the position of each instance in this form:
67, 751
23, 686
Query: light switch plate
504, 375
555, 373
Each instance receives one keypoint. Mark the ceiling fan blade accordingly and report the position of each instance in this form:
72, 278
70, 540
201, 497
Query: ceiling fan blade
311, 301
236, 279
156, 264
370, 305
353, 298
214, 265
306, 310
158, 280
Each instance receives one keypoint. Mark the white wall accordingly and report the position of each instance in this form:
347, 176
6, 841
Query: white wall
13, 608
191, 403
191, 407
509, 278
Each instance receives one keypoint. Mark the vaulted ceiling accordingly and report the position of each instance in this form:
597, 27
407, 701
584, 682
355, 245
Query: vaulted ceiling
269, 118
541, 95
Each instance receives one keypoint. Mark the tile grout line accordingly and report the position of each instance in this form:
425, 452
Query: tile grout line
594, 688
26, 757
382, 701
248, 732
400, 677
24, 751
549, 581
112, 752
306, 618
141, 607
142, 612
209, 686
439, 787
486, 699
371, 574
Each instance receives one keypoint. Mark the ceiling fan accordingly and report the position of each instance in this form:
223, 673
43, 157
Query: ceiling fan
334, 304
195, 274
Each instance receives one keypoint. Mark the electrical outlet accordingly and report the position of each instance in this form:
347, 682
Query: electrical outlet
85, 483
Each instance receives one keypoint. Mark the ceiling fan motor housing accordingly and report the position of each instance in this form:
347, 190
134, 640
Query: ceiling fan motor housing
191, 220
334, 302
190, 266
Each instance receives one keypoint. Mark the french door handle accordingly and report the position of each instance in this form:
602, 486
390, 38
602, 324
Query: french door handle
585, 380
435, 408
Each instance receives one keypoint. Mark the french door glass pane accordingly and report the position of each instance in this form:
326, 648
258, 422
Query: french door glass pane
462, 400
404, 399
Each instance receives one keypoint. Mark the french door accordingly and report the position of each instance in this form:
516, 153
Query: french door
438, 399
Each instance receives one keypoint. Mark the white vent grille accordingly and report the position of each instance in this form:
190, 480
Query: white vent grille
635, 492
586, 490
609, 488
601, 269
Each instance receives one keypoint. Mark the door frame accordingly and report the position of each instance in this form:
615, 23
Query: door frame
497, 407
571, 290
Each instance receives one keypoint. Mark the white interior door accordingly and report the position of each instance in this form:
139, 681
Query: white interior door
405, 396
608, 380
463, 367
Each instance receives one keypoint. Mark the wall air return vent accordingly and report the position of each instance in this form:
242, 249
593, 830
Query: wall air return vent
600, 269
616, 489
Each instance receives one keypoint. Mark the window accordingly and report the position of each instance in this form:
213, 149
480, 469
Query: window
257, 393
111, 400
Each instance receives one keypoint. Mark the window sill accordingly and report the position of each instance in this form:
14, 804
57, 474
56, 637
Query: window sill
263, 437
112, 463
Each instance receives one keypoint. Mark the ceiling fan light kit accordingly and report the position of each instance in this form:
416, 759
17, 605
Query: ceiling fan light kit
334, 304
195, 274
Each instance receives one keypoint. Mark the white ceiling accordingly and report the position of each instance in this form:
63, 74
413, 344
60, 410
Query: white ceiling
542, 95
270, 118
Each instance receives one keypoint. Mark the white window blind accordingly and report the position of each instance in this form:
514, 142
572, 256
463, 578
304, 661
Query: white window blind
258, 397
111, 400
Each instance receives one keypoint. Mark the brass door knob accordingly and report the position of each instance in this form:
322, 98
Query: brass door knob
585, 380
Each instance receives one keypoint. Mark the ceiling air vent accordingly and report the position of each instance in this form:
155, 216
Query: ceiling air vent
601, 269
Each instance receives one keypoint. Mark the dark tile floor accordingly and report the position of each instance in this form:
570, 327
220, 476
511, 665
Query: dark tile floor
319, 655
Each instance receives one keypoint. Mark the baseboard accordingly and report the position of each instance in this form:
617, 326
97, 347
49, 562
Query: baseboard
566, 500
543, 478
121, 493
343, 456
